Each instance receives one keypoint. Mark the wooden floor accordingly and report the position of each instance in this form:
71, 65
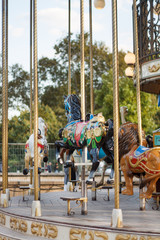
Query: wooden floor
99, 214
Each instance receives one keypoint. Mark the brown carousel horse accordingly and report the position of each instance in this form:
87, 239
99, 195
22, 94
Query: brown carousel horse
136, 160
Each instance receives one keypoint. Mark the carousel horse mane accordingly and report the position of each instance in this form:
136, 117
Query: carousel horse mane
128, 137
72, 107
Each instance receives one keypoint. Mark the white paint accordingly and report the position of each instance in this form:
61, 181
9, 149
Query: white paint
117, 219
36, 209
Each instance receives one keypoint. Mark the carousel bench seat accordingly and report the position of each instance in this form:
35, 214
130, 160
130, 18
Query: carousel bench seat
77, 199
108, 188
24, 188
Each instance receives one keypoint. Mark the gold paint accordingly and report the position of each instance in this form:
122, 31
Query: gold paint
46, 230
23, 226
154, 68
102, 235
65, 133
122, 237
138, 162
2, 219
13, 223
36, 229
88, 134
54, 231
97, 132
18, 224
72, 232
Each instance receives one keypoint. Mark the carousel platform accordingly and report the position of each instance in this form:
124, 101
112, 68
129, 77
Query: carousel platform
16, 221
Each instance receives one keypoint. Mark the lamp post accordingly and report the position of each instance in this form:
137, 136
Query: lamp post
130, 61
99, 4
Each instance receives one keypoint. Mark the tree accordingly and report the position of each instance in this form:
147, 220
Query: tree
127, 97
19, 126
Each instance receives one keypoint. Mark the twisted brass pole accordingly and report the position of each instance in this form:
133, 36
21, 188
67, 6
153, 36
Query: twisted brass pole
91, 60
6, 102
69, 47
3, 98
115, 99
31, 108
84, 152
137, 73
35, 101
82, 63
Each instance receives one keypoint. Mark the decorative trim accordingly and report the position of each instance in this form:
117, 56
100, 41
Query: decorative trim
154, 68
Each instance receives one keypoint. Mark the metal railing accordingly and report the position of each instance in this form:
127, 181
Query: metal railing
16, 153
148, 20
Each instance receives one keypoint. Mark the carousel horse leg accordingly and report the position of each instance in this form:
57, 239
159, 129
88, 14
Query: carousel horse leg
101, 182
27, 160
110, 180
151, 187
94, 153
127, 176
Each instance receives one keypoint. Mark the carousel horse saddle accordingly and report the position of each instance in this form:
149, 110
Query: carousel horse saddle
140, 150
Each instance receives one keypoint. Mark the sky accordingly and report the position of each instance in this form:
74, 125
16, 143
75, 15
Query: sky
52, 23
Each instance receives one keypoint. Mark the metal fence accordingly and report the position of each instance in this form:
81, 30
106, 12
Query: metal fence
16, 153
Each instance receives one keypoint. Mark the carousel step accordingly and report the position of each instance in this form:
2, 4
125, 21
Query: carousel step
9, 234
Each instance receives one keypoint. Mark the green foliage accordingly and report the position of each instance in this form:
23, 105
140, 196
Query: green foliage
127, 97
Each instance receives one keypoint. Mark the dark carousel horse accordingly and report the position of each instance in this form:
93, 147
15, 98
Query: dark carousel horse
95, 133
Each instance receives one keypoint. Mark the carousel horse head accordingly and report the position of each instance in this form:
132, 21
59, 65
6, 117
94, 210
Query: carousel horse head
136, 160
42, 145
42, 127
72, 107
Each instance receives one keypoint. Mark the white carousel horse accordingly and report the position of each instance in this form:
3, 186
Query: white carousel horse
43, 147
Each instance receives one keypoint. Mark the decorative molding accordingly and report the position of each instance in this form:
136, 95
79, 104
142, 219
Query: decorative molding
83, 233
18, 225
154, 68
44, 230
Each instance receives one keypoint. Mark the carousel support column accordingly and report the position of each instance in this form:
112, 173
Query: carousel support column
69, 47
3, 199
31, 10
91, 60
6, 102
142, 201
84, 152
117, 220
36, 206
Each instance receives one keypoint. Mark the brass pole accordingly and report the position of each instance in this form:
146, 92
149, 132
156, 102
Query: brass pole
137, 73
84, 152
69, 47
35, 101
3, 98
115, 99
82, 64
6, 102
91, 60
31, 110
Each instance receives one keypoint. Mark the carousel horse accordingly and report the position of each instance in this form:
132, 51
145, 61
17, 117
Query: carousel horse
110, 180
136, 160
43, 147
95, 133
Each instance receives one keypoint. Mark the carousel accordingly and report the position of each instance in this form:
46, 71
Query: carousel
96, 210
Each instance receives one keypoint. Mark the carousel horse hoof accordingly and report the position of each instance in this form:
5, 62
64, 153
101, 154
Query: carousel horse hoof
144, 195
110, 181
89, 181
45, 159
39, 170
25, 171
127, 192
